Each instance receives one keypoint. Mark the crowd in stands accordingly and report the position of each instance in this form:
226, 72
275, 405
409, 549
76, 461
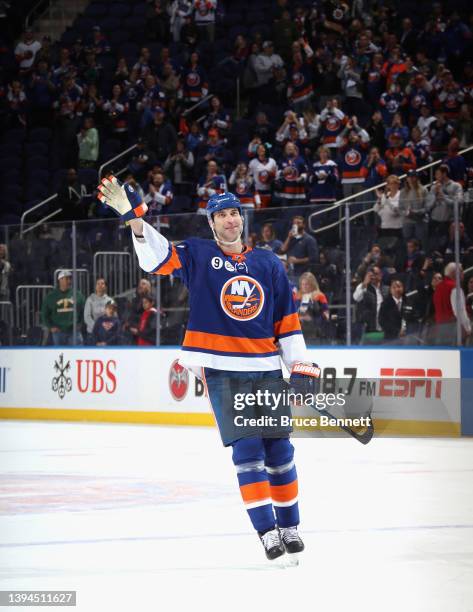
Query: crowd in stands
333, 98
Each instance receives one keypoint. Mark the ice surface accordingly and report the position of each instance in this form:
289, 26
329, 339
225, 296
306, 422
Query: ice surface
142, 518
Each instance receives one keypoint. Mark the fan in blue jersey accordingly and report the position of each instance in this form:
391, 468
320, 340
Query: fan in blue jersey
242, 322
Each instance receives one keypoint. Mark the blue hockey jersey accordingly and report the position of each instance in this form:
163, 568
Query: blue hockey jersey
242, 314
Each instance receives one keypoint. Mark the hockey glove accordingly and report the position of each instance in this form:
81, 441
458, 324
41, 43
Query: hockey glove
122, 198
305, 379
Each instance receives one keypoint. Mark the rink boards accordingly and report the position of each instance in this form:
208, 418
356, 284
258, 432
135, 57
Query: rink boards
412, 391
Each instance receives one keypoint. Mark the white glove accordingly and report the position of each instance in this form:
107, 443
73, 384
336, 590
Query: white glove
122, 198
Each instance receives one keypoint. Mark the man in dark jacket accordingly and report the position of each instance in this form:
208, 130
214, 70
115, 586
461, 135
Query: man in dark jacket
161, 136
369, 296
391, 313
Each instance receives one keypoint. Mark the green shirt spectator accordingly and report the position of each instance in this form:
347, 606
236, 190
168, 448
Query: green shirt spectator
88, 140
57, 311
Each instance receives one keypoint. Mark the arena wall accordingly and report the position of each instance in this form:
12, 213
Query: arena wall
413, 391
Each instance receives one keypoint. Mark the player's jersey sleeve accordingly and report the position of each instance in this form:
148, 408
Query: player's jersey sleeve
287, 329
156, 255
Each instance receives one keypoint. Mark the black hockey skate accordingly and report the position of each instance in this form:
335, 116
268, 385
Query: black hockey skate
271, 541
291, 540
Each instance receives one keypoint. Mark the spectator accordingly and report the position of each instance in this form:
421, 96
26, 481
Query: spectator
160, 194
26, 50
88, 141
388, 208
301, 89
17, 104
312, 308
194, 85
117, 109
301, 249
291, 177
205, 12
57, 311
353, 143
5, 270
95, 305
456, 163
145, 333
161, 136
425, 121
369, 296
143, 160
268, 239
265, 63
100, 45
243, 185
466, 245
376, 131
284, 34
217, 118
135, 307
464, 126
179, 10
71, 196
106, 330
399, 158
350, 77
426, 308
413, 206
420, 147
263, 170
157, 21
212, 149
323, 178
333, 122
445, 305
178, 167
391, 313
209, 184
194, 138
374, 169
441, 199
413, 265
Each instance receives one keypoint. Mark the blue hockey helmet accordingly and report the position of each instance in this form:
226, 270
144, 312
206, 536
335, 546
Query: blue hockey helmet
220, 201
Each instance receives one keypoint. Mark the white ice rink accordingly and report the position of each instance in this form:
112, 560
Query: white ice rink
142, 518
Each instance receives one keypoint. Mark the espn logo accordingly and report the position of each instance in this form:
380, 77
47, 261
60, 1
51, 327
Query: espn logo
3, 379
406, 382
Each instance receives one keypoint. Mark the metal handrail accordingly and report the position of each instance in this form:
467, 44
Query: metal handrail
41, 221
197, 104
33, 11
371, 189
110, 161
35, 207
342, 220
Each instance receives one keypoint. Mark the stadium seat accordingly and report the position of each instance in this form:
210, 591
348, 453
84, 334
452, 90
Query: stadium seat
96, 11
130, 49
40, 135
33, 149
37, 162
39, 175
118, 37
37, 191
15, 135
110, 24
140, 10
121, 10
11, 163
84, 25
10, 149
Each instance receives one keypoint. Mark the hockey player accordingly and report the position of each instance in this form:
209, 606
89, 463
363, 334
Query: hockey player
242, 321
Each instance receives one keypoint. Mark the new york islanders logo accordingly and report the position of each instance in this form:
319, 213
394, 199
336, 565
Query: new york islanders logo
298, 79
352, 157
242, 298
193, 79
333, 124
